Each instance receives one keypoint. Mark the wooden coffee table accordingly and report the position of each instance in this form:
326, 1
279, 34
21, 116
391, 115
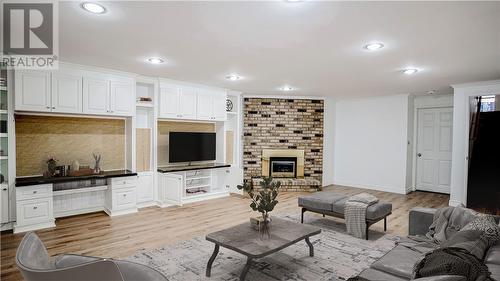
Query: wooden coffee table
248, 241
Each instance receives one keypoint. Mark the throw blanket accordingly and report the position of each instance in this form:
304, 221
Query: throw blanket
355, 213
448, 221
452, 261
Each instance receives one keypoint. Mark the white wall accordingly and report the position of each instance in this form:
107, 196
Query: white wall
461, 110
328, 140
370, 148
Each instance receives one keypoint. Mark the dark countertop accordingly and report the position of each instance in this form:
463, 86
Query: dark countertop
192, 167
42, 180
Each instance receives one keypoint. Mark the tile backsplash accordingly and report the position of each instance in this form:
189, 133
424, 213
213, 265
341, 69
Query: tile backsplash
67, 139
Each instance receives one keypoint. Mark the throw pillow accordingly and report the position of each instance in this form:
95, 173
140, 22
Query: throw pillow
485, 223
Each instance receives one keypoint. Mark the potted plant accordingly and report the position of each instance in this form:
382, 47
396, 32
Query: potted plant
263, 200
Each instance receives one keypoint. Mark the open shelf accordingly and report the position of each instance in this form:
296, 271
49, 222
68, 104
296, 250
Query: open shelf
4, 157
3, 135
3, 111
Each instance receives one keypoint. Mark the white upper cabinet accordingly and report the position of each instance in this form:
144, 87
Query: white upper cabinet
192, 103
32, 91
66, 93
169, 102
205, 106
122, 98
212, 105
219, 106
187, 103
96, 96
76, 90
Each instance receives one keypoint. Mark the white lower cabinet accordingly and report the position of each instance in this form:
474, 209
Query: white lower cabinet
4, 201
34, 208
145, 191
121, 196
170, 188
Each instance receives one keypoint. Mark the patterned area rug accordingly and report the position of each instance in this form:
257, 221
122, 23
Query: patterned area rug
337, 256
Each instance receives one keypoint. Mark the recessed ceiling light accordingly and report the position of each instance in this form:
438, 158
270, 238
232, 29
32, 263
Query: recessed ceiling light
93, 8
286, 88
156, 60
374, 46
410, 71
233, 77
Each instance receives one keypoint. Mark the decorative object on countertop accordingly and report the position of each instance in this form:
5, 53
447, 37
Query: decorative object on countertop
229, 105
51, 167
263, 201
82, 172
1, 178
145, 99
97, 166
60, 171
75, 166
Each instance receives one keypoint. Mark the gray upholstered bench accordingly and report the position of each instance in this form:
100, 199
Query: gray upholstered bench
333, 204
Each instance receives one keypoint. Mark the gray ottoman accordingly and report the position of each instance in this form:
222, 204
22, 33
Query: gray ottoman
333, 204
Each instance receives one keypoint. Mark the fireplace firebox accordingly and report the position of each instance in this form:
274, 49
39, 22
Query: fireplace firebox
283, 167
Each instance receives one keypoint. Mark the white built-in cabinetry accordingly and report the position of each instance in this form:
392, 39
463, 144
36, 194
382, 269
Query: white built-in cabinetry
34, 207
121, 197
33, 91
66, 92
73, 90
192, 103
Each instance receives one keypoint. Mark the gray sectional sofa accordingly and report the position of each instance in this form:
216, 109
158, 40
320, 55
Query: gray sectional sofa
397, 264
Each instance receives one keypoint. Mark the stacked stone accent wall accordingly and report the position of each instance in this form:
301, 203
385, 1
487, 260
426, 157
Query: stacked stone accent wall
281, 124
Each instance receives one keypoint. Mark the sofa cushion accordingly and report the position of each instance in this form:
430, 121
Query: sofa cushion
399, 261
373, 212
377, 275
323, 200
493, 254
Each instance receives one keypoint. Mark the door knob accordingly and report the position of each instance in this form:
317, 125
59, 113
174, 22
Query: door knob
419, 154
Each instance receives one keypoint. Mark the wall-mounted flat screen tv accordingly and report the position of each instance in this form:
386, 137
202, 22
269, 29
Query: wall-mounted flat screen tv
189, 147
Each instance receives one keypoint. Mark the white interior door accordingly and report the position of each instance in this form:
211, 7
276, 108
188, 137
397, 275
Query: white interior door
434, 143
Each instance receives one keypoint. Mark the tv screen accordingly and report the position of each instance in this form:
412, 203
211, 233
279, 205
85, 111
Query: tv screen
188, 147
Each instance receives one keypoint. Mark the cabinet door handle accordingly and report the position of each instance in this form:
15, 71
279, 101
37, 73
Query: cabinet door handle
124, 195
4, 188
34, 192
53, 107
48, 107
34, 208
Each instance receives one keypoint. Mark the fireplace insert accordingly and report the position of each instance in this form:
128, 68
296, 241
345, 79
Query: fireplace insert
283, 167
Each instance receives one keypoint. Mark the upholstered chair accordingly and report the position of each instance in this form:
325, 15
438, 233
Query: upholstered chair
35, 265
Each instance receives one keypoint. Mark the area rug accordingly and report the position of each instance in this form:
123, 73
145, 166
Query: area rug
337, 256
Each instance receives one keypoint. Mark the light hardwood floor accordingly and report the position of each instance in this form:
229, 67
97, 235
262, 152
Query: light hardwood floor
97, 234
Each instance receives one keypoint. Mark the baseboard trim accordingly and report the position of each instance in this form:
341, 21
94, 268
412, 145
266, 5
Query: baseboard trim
372, 187
455, 203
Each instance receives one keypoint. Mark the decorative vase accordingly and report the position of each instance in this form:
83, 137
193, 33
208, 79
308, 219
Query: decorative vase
51, 166
265, 226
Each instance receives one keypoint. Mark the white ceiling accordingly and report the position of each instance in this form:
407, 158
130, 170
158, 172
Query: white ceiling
316, 47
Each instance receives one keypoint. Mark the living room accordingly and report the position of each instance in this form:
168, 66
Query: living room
267, 140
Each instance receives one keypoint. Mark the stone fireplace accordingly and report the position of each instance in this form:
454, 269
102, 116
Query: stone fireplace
283, 138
